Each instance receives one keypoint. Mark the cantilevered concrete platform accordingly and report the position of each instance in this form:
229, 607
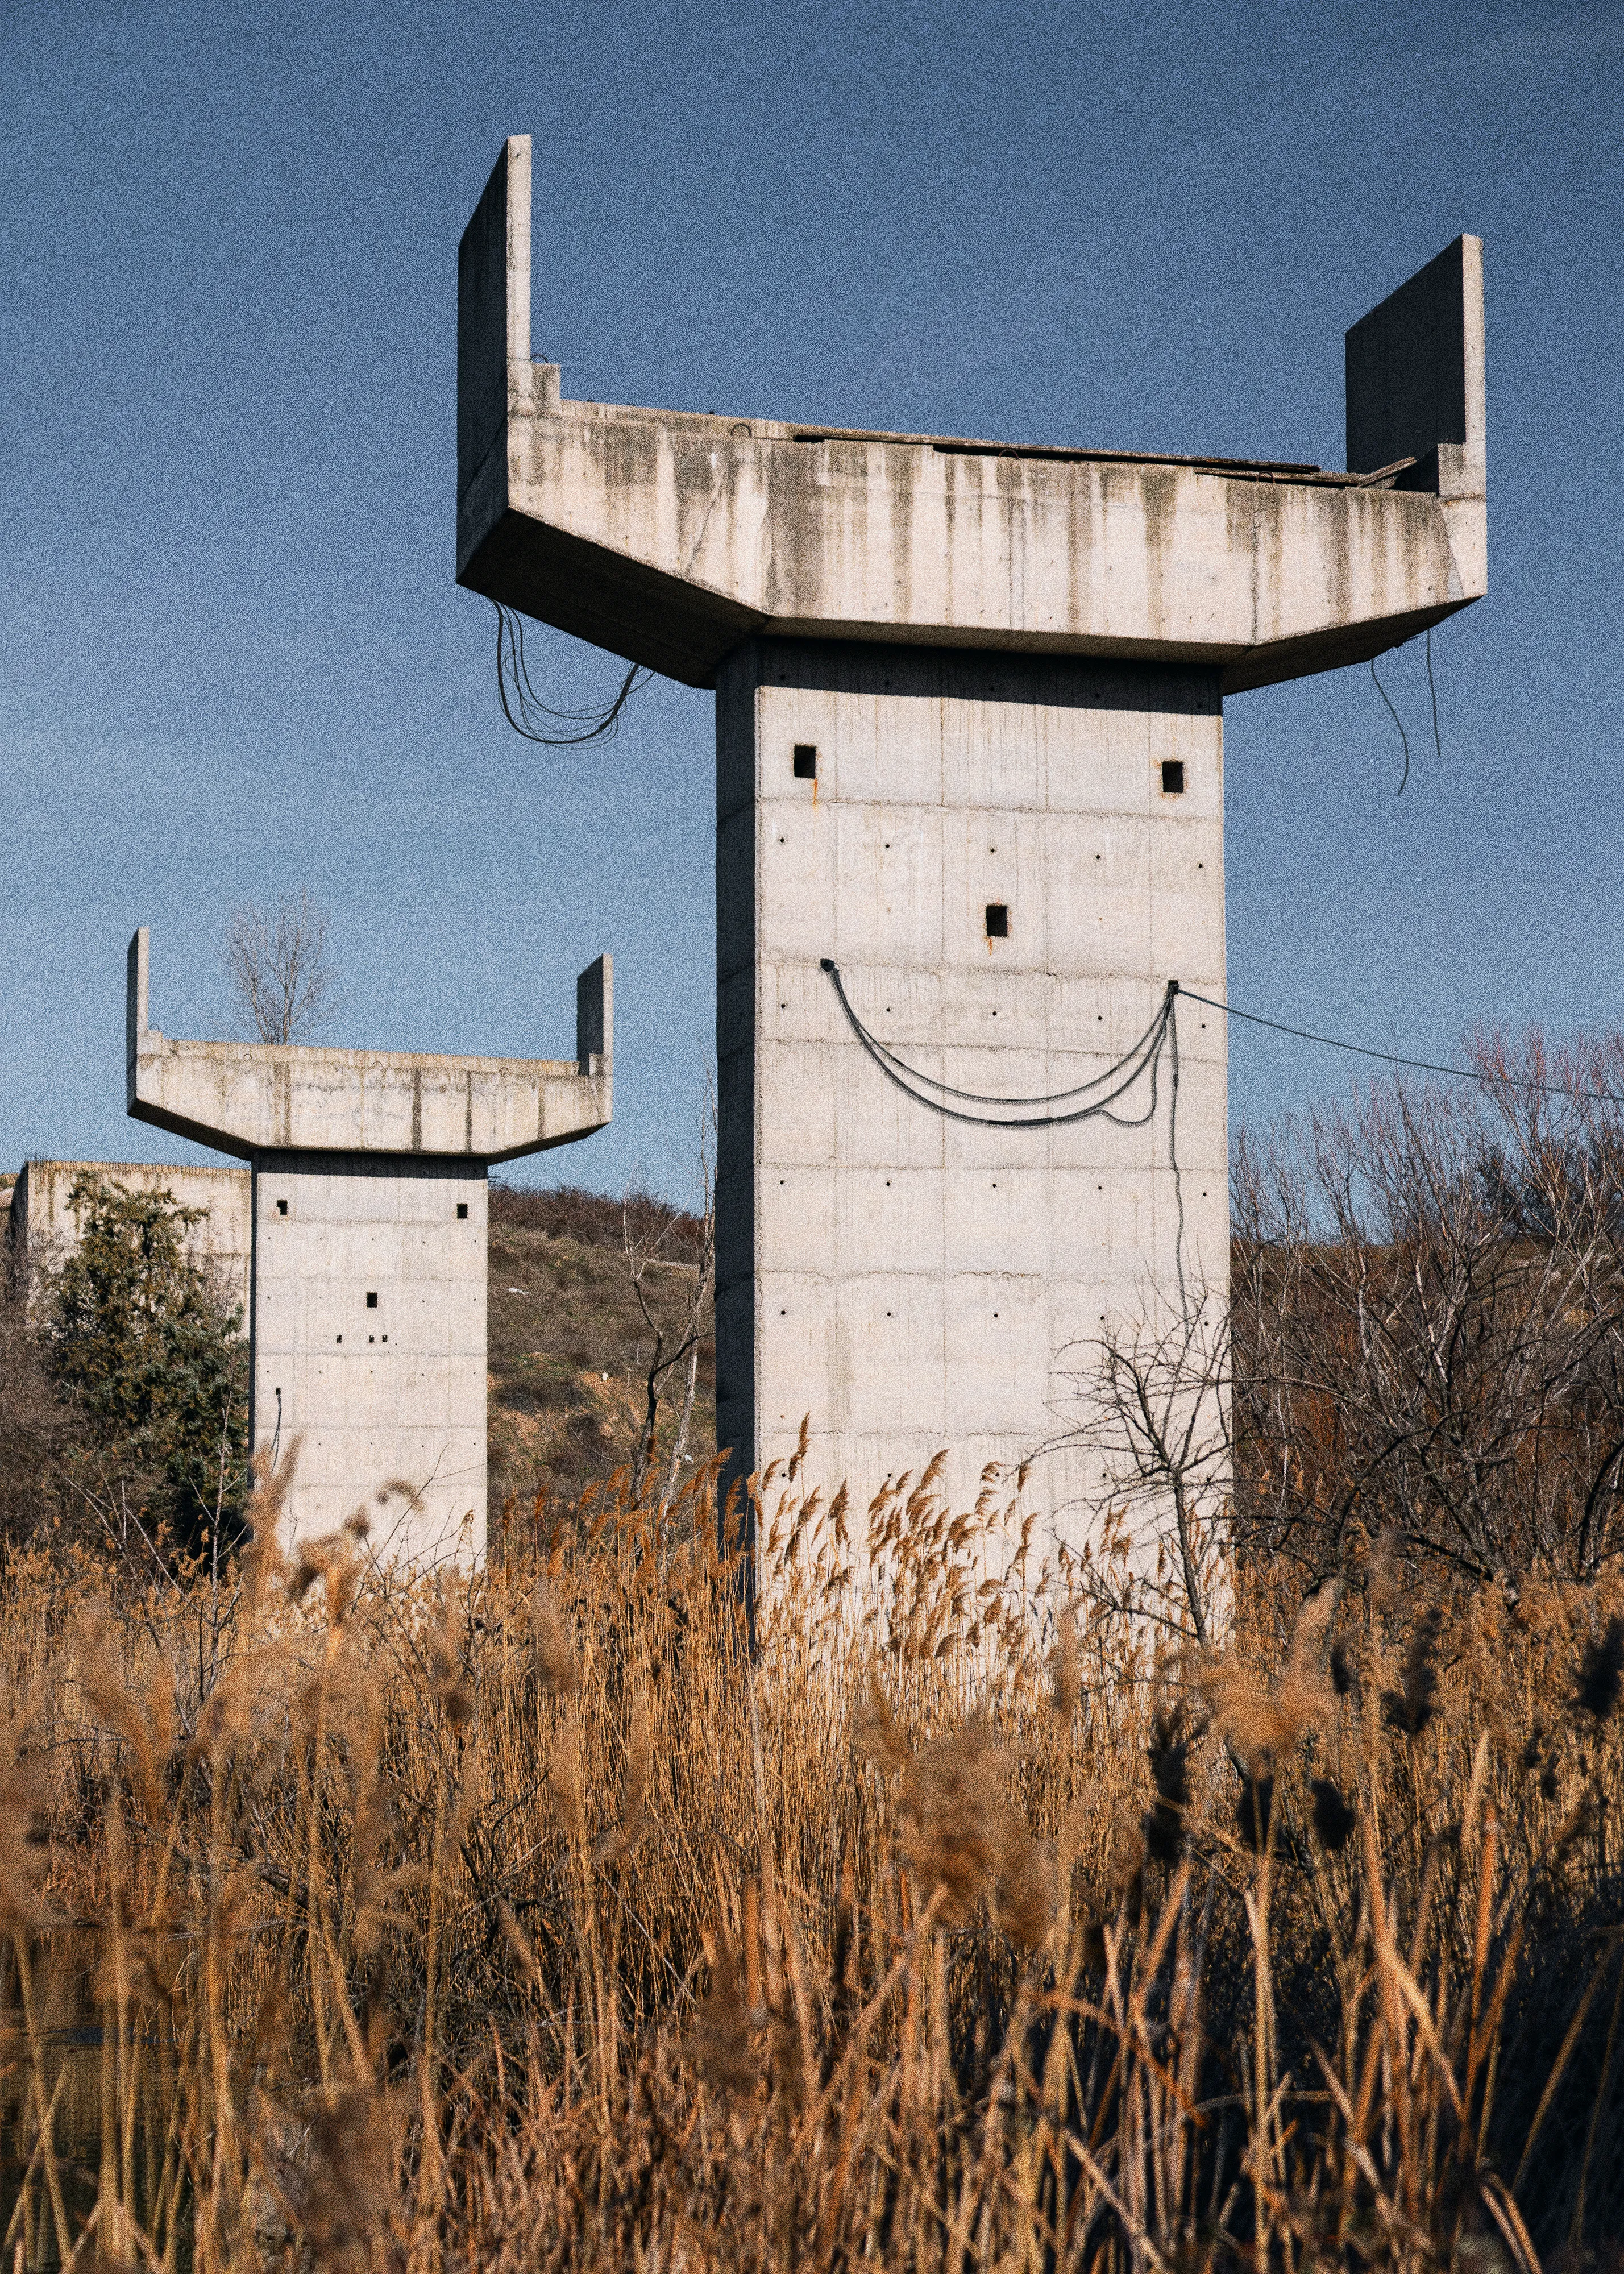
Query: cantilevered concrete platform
367, 1293
969, 731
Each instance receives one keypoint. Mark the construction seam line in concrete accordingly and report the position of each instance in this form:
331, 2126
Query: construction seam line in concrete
366, 1306
969, 739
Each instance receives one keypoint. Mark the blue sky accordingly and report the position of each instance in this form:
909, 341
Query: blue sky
233, 660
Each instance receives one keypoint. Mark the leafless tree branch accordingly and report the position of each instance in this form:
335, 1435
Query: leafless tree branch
280, 969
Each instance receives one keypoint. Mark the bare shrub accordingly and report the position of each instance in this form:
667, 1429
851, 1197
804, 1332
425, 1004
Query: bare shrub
1428, 1323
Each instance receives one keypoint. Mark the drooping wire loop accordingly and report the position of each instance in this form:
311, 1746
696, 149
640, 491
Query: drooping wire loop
1145, 1058
538, 722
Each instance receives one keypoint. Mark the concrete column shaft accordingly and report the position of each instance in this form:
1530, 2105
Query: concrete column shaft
369, 1341
1008, 857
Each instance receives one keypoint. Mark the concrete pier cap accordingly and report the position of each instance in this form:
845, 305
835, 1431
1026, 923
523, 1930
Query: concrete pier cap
969, 734
367, 1301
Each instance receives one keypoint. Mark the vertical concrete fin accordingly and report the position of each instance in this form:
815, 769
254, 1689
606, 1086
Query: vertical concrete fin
494, 305
135, 1010
1414, 368
595, 1017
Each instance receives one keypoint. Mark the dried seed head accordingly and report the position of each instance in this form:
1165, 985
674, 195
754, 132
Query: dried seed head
25, 1802
965, 1834
1254, 1809
451, 1684
1263, 1719
1334, 1819
1064, 1669
1169, 1766
552, 1652
263, 1561
954, 1811
564, 1777
635, 1803
1024, 1892
350, 2185
332, 1559
1601, 1674
723, 2042
1409, 1708
874, 1731
1384, 1576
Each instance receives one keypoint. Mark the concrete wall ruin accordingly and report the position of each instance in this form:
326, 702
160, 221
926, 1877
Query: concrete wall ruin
45, 1227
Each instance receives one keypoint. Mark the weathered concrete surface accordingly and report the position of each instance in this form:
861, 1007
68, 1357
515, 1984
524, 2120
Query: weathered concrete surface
672, 536
45, 1227
986, 654
369, 1343
367, 1303
912, 1280
245, 1097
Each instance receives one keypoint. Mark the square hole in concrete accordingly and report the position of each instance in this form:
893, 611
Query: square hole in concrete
998, 920
462, 1210
372, 1300
806, 762
1173, 777
281, 1208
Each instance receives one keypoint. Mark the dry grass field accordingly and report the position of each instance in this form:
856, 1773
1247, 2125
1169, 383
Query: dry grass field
526, 1920
971, 1913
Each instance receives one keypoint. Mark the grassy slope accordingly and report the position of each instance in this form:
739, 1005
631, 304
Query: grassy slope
569, 1349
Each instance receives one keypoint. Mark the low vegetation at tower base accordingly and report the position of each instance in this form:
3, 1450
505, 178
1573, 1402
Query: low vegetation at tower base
527, 1921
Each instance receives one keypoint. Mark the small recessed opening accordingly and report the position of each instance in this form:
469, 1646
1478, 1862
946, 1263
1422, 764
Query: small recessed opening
462, 1210
806, 762
338, 1339
281, 1208
998, 920
371, 1339
372, 1300
1173, 777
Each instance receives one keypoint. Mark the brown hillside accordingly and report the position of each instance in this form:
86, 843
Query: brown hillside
569, 1350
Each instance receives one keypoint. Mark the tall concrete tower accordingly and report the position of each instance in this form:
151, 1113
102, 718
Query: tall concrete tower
969, 828
367, 1268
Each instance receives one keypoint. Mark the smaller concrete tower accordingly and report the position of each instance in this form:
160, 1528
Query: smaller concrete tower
367, 1278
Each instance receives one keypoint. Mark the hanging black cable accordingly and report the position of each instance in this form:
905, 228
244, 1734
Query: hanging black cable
1398, 722
1418, 1066
525, 712
1178, 1184
1438, 743
1145, 1057
883, 1051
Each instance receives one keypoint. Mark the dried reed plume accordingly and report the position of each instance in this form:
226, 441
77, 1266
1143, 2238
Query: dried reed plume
527, 1919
